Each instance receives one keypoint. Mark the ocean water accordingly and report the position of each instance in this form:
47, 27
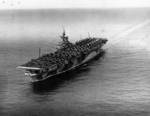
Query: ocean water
116, 84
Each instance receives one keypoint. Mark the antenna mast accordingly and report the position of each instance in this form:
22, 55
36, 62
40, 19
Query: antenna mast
89, 35
39, 51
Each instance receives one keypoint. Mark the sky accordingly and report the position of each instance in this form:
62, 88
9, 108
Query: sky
44, 4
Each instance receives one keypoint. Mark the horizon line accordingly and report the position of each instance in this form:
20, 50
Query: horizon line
77, 8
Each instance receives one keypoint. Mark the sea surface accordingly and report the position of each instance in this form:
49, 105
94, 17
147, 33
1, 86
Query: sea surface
116, 84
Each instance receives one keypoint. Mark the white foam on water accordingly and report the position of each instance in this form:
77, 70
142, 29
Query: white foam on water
121, 36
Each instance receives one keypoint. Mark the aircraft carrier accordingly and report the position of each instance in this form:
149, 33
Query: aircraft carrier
66, 58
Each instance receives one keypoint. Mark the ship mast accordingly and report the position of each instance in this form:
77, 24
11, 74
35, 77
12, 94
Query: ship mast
39, 51
89, 35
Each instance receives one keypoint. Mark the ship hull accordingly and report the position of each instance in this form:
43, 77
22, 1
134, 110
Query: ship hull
65, 73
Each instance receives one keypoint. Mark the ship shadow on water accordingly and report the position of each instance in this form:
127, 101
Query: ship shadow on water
59, 81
